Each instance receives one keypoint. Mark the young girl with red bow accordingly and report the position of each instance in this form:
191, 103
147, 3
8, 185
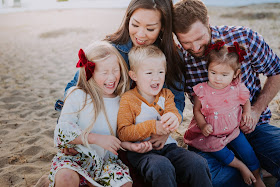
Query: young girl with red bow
220, 105
88, 123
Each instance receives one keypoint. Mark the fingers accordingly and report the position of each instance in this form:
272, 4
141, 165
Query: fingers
113, 151
72, 151
147, 146
144, 147
243, 127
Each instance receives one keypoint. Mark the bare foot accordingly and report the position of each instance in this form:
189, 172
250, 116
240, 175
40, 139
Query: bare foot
259, 182
247, 175
43, 181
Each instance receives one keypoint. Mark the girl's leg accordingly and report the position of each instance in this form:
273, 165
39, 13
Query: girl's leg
221, 174
128, 184
247, 175
227, 157
247, 154
67, 177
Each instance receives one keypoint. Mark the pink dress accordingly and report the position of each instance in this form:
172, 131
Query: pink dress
222, 109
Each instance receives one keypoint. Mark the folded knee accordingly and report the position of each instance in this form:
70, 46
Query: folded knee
67, 176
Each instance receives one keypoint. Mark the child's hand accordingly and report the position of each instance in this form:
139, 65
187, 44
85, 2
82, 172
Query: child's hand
108, 142
170, 121
142, 147
69, 151
206, 129
247, 119
158, 141
160, 129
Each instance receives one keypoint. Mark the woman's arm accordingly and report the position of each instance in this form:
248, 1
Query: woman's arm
72, 83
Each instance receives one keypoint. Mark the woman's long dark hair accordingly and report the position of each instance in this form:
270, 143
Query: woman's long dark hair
165, 39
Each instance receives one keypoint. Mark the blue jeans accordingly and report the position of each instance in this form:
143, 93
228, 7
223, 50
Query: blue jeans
244, 150
170, 165
265, 140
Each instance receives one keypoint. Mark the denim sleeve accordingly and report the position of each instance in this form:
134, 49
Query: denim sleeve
179, 97
72, 83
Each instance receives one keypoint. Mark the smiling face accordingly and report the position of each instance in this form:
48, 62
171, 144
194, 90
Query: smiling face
149, 77
144, 26
220, 75
107, 75
196, 40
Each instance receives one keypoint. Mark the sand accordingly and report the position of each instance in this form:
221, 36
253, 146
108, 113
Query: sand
38, 53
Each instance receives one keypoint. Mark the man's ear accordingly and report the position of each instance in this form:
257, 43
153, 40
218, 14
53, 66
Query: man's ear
237, 73
132, 75
208, 20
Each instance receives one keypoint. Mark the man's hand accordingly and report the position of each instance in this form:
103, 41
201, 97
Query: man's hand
255, 115
158, 141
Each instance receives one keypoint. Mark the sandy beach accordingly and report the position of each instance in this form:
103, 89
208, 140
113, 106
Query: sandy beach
38, 54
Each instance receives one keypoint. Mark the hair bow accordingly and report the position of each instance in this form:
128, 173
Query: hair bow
215, 46
83, 62
236, 49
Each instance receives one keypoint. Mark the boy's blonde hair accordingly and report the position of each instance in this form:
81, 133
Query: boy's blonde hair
100, 51
140, 54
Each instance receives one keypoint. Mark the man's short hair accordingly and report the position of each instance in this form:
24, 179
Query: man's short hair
187, 12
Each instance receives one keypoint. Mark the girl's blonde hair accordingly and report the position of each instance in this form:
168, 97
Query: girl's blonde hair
100, 51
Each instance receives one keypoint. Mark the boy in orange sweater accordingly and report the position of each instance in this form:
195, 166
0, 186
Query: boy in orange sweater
149, 110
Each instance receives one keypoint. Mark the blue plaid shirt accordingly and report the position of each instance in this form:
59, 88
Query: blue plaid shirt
259, 59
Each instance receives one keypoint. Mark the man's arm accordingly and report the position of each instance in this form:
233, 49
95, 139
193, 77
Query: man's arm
270, 89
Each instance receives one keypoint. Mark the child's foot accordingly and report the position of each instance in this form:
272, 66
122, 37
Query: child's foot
247, 175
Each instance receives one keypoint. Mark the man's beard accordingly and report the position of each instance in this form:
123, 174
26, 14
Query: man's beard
198, 55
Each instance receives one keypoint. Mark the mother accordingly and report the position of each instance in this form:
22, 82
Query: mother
148, 22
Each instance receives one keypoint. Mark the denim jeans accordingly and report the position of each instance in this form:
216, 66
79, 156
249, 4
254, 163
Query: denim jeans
244, 150
265, 140
170, 165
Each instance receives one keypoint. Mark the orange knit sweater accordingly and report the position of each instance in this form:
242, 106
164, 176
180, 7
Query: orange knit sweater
137, 118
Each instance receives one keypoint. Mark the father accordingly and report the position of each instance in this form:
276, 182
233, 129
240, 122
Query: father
191, 26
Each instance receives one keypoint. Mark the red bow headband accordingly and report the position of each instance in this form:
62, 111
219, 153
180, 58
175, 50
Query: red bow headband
236, 49
83, 62
216, 46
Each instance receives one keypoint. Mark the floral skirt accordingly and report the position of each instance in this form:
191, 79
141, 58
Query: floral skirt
98, 172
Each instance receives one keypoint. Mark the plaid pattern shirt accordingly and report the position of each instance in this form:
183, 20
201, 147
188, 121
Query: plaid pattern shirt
259, 59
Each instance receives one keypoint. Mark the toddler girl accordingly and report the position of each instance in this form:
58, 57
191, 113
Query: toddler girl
220, 105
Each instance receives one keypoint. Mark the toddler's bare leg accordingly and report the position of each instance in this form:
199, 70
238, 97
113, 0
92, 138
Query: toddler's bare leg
245, 172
